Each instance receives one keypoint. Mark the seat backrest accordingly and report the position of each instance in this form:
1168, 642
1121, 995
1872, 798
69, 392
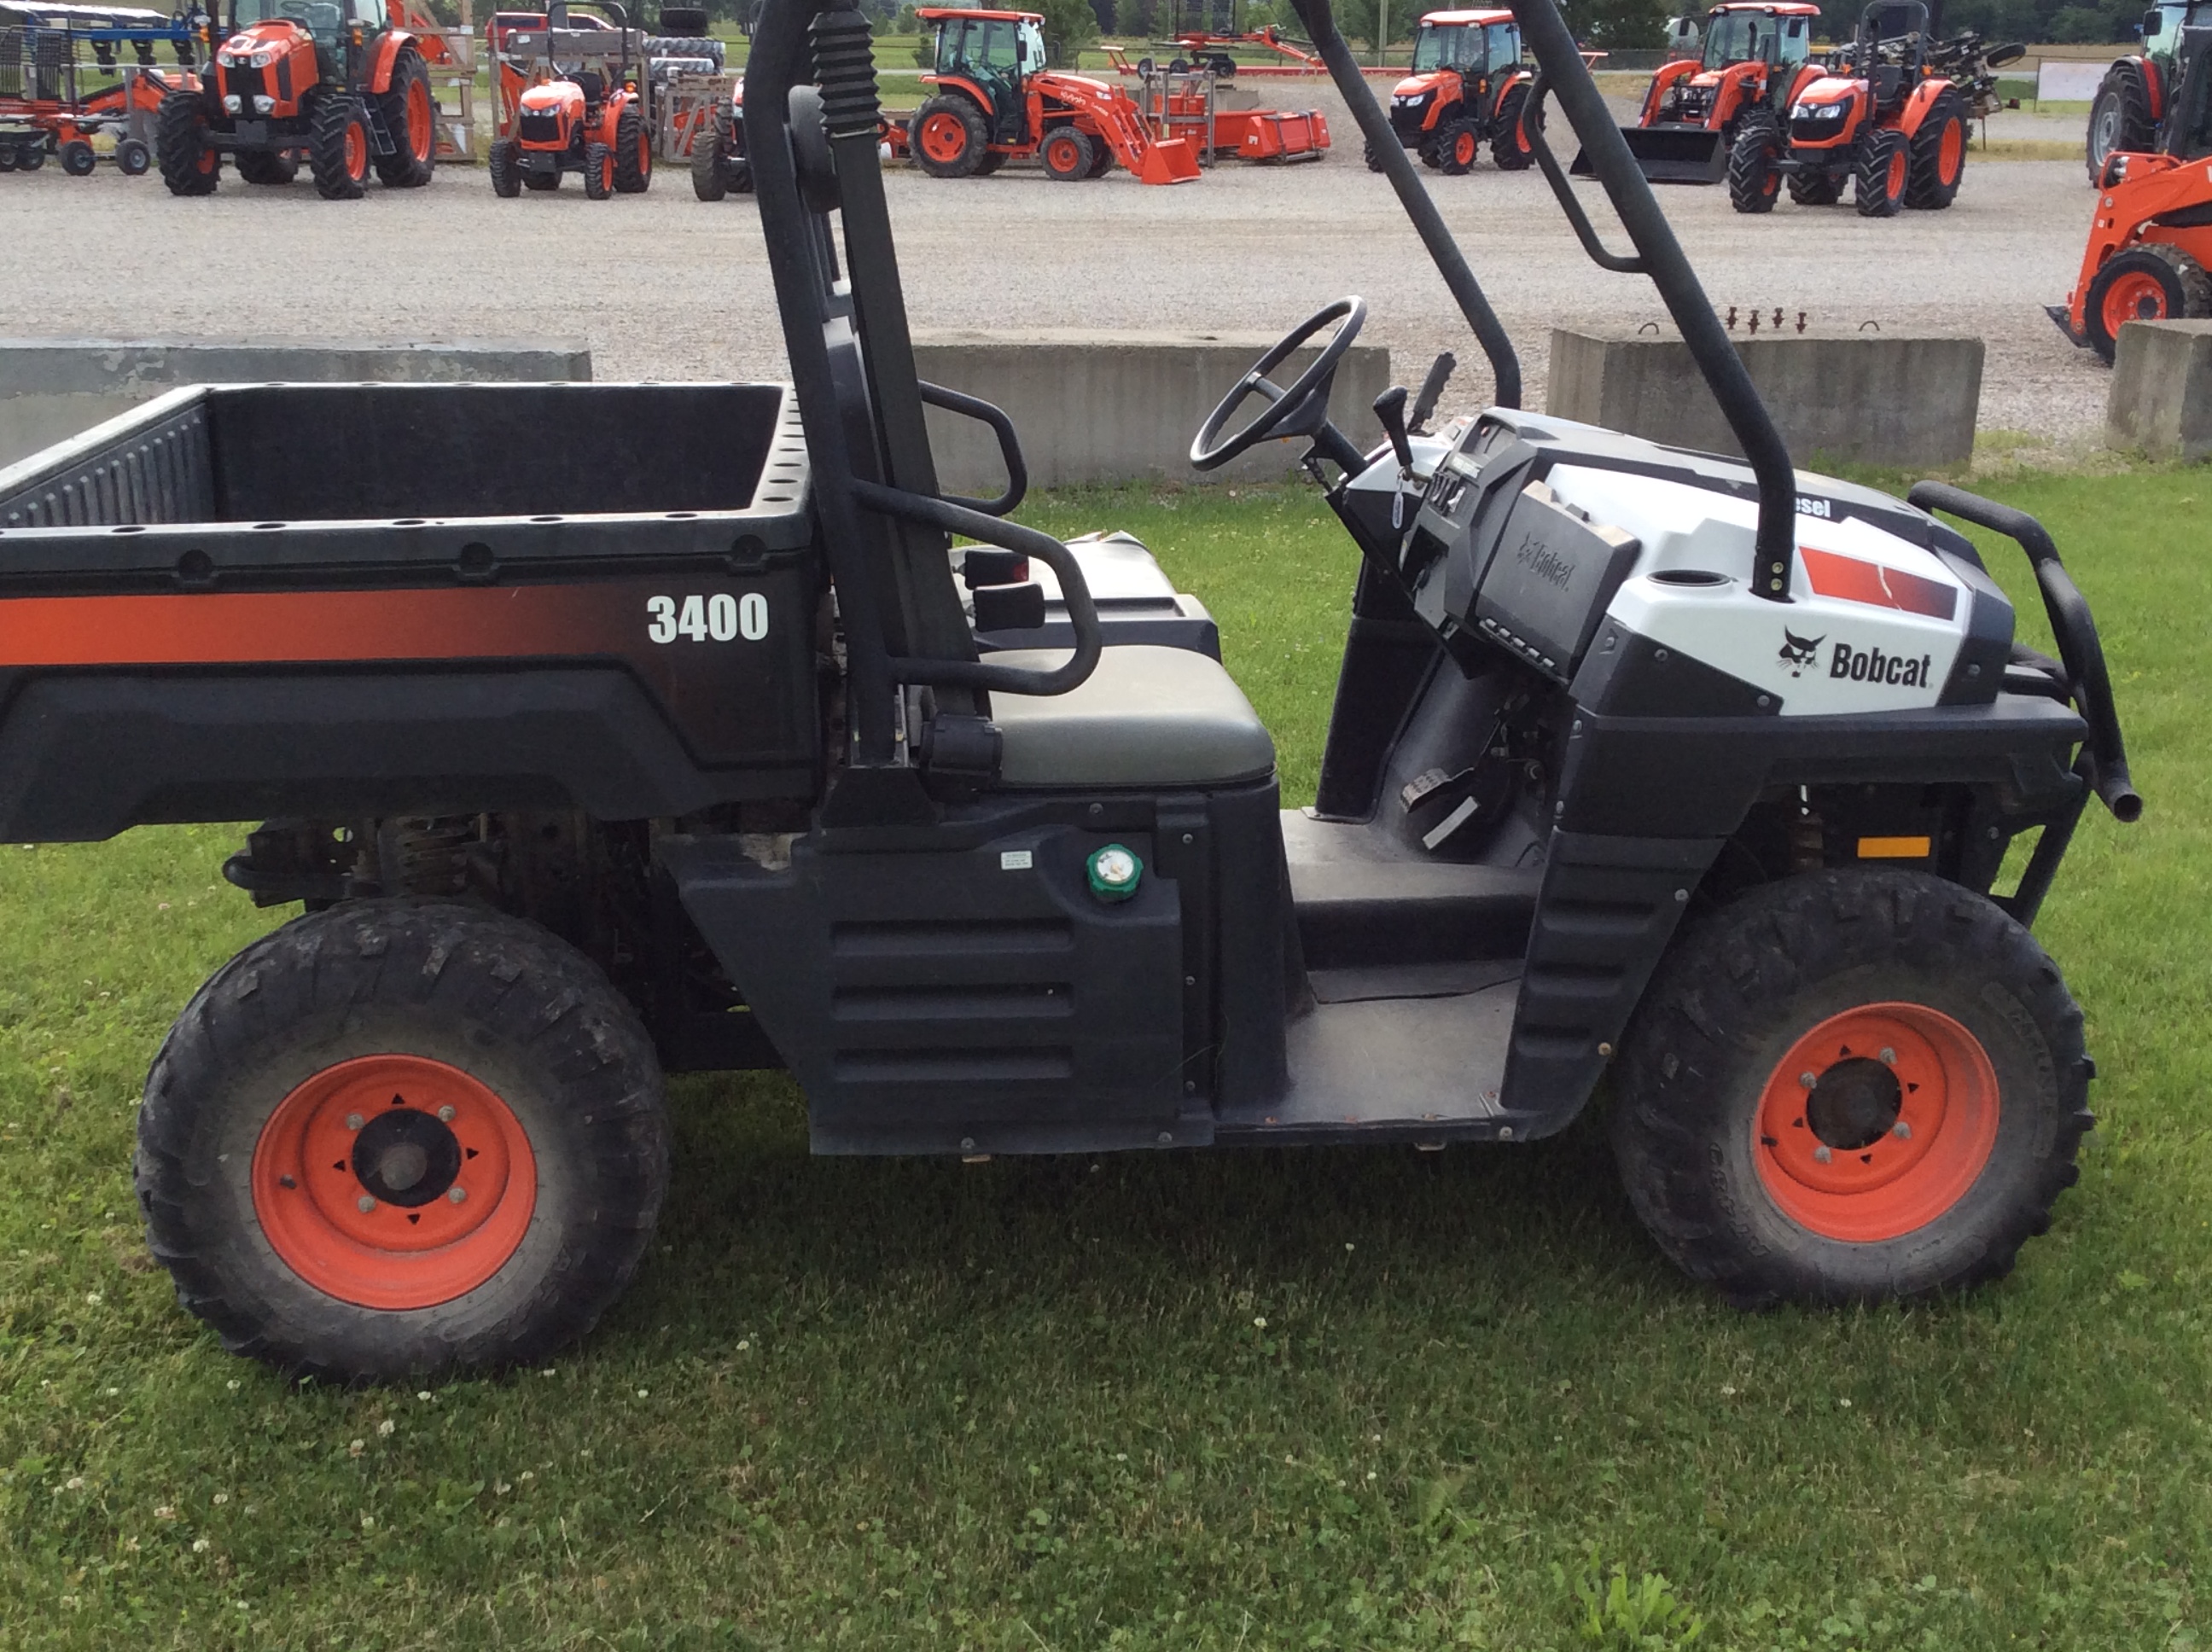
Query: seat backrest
593, 86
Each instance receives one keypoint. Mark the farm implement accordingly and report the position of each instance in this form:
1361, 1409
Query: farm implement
1689, 774
72, 74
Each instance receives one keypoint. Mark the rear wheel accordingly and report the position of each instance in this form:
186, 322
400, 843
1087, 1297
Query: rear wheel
948, 138
1068, 155
412, 119
77, 158
599, 171
2119, 119
267, 166
1459, 145
504, 167
190, 165
2151, 282
396, 1136
633, 152
709, 182
1753, 182
338, 144
1509, 148
1852, 1086
1938, 155
1884, 165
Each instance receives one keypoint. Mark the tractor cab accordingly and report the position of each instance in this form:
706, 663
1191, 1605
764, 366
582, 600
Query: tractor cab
1777, 36
992, 54
284, 46
1466, 44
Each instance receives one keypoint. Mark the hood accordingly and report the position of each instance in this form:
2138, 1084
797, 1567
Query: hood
552, 96
1414, 86
277, 36
1829, 88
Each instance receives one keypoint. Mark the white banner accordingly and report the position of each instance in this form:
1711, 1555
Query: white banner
2069, 82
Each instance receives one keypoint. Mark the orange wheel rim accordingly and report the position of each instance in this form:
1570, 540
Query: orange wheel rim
1951, 154
644, 154
2135, 296
204, 162
1897, 165
1463, 149
1876, 1122
419, 134
943, 136
394, 1182
1061, 157
357, 151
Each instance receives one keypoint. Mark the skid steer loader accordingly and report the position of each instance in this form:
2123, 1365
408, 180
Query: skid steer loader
1693, 773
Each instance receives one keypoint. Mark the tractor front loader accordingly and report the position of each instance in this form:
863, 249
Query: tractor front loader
2150, 237
340, 84
1467, 89
1684, 778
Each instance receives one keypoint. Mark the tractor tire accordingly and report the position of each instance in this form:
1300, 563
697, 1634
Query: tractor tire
948, 138
1883, 165
633, 152
77, 158
2152, 281
411, 118
338, 146
133, 158
1752, 180
1937, 154
1374, 156
1101, 158
2119, 119
1850, 1085
1509, 148
710, 179
266, 167
686, 46
1815, 188
991, 161
401, 1136
1459, 145
599, 171
190, 166
503, 167
1068, 153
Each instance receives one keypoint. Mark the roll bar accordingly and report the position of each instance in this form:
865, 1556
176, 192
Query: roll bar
1658, 254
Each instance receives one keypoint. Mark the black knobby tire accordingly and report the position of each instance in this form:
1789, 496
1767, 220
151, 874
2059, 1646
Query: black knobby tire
710, 179
1374, 156
1069, 154
1510, 148
188, 165
633, 152
267, 167
2183, 292
77, 158
1937, 163
1879, 174
1753, 183
1459, 144
338, 144
1101, 158
989, 163
503, 166
2119, 119
1748, 991
414, 154
974, 142
599, 171
417, 986
1815, 188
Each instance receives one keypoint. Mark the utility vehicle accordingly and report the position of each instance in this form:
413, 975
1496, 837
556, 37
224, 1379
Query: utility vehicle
1467, 87
1693, 771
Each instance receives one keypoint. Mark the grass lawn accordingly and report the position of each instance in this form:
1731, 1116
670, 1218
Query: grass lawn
1321, 1399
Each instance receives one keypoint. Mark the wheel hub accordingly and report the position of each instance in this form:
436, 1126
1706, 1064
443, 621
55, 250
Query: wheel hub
1854, 1104
406, 1158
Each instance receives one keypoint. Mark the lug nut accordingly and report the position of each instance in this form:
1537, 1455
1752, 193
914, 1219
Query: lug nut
1888, 1057
365, 1203
445, 1115
1821, 1155
353, 1121
1808, 1079
457, 1194
1901, 1130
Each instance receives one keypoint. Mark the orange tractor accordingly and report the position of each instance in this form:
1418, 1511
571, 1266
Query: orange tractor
341, 84
992, 101
1755, 57
1885, 122
2150, 242
1467, 89
582, 107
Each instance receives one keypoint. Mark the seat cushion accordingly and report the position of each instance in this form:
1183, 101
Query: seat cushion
1147, 716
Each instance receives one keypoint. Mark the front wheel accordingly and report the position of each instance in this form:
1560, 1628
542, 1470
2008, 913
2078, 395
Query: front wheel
399, 1136
1069, 155
189, 164
338, 145
633, 152
599, 171
1884, 164
710, 179
1459, 145
411, 118
2154, 282
503, 166
1754, 180
1852, 1086
1510, 149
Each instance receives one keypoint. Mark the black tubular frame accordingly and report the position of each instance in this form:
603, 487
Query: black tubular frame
1659, 255
2079, 648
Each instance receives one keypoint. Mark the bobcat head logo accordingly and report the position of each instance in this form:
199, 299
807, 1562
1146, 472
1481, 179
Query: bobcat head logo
1798, 652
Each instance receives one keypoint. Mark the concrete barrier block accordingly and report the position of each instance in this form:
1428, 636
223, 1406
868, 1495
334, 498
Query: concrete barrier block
1118, 408
52, 388
2161, 396
1878, 398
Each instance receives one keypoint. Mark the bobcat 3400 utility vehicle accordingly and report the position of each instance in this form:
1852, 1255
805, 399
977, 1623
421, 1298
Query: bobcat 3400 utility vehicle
715, 753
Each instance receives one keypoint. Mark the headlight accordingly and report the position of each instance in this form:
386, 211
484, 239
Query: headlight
262, 59
231, 104
262, 105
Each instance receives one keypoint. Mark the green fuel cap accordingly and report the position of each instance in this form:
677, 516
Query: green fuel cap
1115, 871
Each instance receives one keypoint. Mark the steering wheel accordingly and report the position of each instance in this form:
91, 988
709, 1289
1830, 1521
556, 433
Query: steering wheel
1307, 396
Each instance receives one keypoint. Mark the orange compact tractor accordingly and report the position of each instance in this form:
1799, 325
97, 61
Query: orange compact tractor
720, 166
992, 101
1467, 89
1755, 58
2150, 242
341, 84
1884, 122
582, 108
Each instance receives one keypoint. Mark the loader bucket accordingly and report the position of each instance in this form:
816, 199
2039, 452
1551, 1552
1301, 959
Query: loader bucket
1168, 160
1672, 155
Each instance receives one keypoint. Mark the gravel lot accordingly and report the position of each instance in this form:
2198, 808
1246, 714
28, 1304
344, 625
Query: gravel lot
664, 286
